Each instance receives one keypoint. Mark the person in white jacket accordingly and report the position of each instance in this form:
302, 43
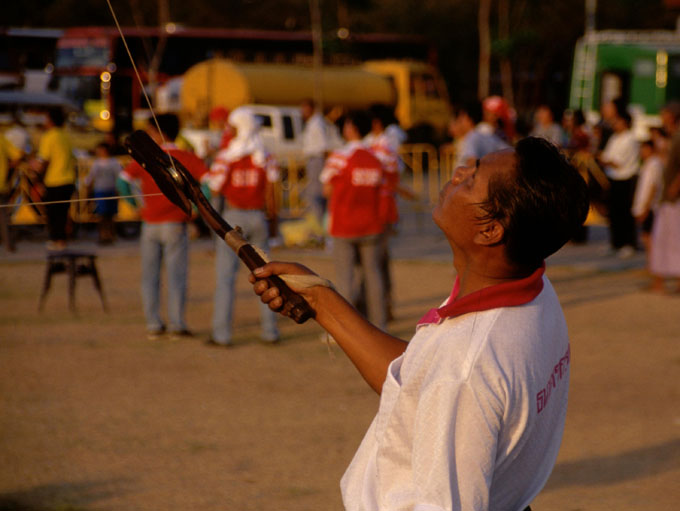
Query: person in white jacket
472, 409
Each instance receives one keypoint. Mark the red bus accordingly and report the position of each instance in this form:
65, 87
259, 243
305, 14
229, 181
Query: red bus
94, 70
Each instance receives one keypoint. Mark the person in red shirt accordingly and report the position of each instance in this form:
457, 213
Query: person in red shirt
164, 235
353, 180
244, 174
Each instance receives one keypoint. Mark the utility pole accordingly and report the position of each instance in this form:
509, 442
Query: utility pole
484, 48
154, 65
591, 8
317, 45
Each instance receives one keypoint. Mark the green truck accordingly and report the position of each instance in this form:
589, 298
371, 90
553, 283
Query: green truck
642, 67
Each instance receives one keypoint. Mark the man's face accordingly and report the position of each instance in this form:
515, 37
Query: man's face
349, 131
544, 116
608, 111
458, 210
463, 124
306, 110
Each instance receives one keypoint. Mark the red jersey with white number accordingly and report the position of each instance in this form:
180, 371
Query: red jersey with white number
157, 208
382, 147
356, 177
243, 181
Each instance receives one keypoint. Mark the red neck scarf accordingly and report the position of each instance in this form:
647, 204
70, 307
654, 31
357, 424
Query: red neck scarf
507, 294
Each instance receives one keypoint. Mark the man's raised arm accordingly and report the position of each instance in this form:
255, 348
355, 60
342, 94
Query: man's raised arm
370, 349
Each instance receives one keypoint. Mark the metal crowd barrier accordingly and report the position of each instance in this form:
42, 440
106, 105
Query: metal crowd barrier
426, 170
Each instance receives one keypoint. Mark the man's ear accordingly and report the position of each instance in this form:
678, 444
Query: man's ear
489, 233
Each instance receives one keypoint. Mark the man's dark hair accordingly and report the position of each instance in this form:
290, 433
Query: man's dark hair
473, 109
625, 116
647, 142
541, 207
56, 115
382, 113
168, 124
361, 121
620, 106
579, 117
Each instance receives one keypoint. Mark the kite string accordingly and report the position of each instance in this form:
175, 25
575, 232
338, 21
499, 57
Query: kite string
153, 114
89, 199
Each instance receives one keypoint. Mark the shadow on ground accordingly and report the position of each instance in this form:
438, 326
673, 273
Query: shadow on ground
60, 496
626, 466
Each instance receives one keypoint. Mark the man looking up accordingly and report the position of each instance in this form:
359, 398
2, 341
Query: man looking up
472, 409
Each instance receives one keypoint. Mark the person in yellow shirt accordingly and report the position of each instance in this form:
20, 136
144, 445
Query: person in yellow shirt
9, 156
57, 165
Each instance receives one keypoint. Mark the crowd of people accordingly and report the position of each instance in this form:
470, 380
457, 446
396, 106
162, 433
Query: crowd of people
351, 189
471, 424
632, 183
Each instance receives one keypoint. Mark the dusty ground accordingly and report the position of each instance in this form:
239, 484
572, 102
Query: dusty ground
95, 417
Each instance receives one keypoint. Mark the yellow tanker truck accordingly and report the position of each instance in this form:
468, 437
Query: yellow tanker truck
414, 89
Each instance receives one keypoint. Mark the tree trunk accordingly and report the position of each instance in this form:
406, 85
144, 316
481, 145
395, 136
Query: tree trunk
484, 48
154, 65
506, 65
317, 44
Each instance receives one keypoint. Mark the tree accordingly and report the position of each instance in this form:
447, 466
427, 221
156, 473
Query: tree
484, 30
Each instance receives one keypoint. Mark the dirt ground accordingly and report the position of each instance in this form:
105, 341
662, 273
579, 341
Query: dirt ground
96, 417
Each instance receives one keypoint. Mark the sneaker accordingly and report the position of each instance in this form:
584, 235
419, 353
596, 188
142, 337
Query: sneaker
156, 334
625, 252
215, 344
178, 335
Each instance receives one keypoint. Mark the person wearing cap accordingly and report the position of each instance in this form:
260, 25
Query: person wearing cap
244, 174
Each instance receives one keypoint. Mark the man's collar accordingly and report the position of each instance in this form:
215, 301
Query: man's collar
507, 294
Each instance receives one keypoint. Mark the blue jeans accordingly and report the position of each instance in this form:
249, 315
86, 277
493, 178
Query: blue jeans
164, 242
254, 227
313, 191
369, 248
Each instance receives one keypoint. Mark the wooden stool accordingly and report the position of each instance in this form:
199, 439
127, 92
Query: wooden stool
74, 264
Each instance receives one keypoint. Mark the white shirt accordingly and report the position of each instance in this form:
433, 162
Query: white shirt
624, 150
651, 176
314, 137
471, 415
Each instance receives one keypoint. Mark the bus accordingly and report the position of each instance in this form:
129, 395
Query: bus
94, 70
641, 67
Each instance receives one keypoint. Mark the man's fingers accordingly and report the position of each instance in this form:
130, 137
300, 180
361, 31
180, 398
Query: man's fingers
269, 294
276, 304
278, 268
260, 286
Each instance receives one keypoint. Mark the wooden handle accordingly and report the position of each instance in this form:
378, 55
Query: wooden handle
294, 305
